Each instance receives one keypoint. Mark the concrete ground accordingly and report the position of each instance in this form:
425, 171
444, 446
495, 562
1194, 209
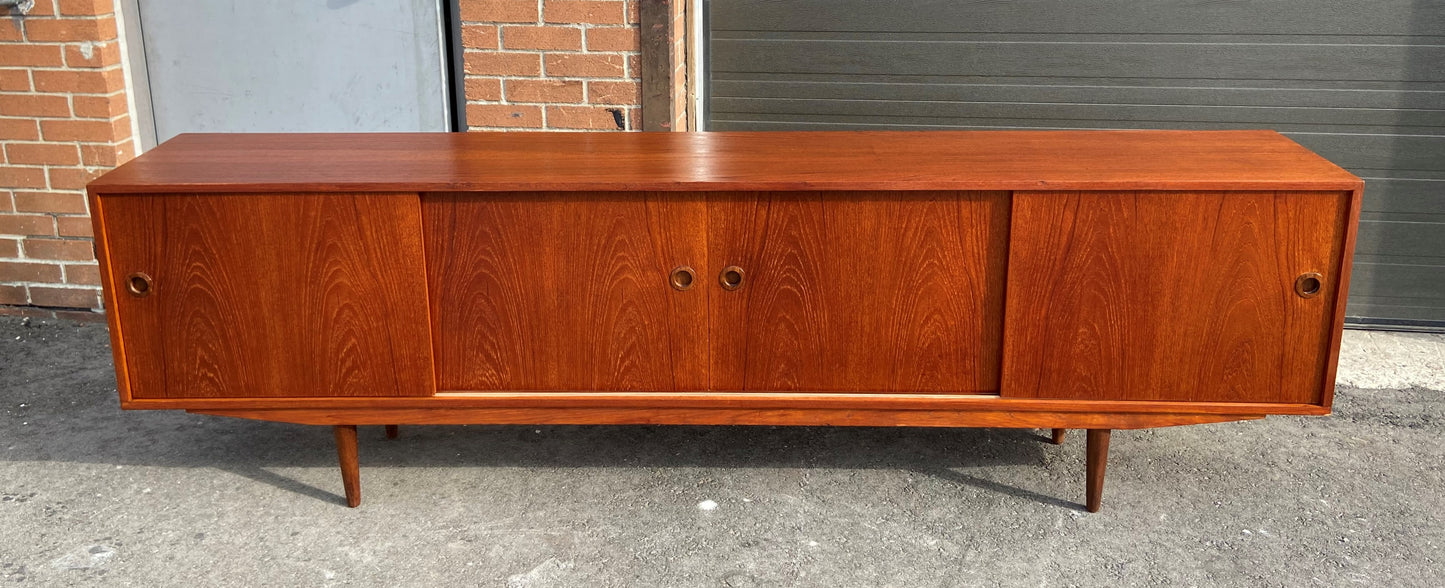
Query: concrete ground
93, 495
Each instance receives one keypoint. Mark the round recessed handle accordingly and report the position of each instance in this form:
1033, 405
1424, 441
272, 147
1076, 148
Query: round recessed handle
682, 278
139, 284
731, 277
1308, 284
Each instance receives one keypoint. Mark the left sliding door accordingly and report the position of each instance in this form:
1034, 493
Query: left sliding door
267, 295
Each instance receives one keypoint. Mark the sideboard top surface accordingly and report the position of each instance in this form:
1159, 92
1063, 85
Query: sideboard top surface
733, 161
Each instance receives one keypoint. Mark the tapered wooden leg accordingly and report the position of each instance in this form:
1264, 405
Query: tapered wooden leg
1097, 456
350, 467
392, 431
1059, 436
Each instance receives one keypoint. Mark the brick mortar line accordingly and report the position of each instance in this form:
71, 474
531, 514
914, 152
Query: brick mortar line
59, 16
62, 284
56, 285
72, 142
507, 23
58, 166
544, 129
598, 104
38, 261
110, 96
623, 52
50, 237
62, 66
72, 117
555, 102
537, 78
65, 68
587, 104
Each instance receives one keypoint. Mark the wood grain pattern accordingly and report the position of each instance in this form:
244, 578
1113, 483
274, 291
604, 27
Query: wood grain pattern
239, 309
347, 456
1171, 296
894, 292
530, 275
740, 400
600, 162
1342, 289
561, 291
109, 296
1096, 461
728, 416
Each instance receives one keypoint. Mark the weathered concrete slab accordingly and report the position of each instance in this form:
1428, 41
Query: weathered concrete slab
1381, 359
91, 495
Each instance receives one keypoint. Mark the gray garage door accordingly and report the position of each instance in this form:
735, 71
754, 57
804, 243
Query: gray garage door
1361, 82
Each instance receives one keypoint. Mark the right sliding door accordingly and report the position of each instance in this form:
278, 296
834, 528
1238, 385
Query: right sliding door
1191, 296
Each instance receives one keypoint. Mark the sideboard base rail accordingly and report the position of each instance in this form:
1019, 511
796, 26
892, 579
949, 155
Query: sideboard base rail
737, 400
729, 416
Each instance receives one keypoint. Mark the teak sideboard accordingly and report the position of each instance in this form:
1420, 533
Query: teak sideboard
1094, 279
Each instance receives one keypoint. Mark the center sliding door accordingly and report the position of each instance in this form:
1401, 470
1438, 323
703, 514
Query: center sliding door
789, 291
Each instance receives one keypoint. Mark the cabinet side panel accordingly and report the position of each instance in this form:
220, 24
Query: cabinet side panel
1171, 295
871, 291
566, 290
271, 295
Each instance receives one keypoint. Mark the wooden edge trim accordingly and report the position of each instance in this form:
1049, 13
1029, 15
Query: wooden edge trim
108, 294
726, 416
1342, 291
730, 186
433, 351
728, 400
655, 44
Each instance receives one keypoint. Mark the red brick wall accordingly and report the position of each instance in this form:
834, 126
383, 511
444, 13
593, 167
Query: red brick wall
63, 121
551, 64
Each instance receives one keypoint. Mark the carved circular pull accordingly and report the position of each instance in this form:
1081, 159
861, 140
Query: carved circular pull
682, 278
139, 284
731, 277
1307, 285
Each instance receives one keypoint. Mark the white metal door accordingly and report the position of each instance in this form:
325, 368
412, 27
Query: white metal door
288, 66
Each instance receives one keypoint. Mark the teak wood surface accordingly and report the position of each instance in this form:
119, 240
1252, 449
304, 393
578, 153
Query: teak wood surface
726, 416
566, 291
234, 309
1111, 295
602, 162
1171, 295
877, 291
1049, 279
